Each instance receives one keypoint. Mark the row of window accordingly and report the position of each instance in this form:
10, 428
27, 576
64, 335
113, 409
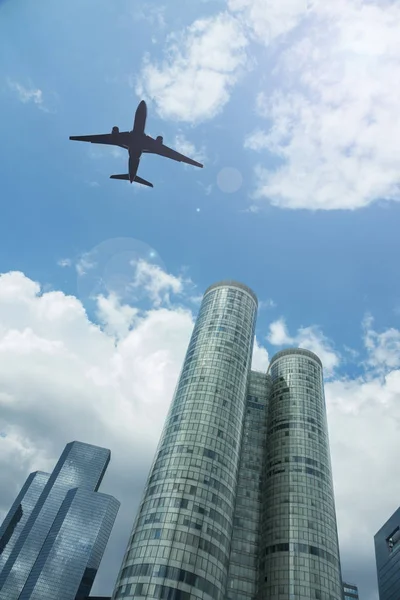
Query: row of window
195, 447
201, 453
279, 413
220, 552
207, 496
178, 519
297, 459
211, 513
205, 565
294, 522
276, 592
217, 356
172, 573
154, 591
306, 470
294, 547
300, 419
168, 501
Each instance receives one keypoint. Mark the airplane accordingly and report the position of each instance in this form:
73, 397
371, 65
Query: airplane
137, 143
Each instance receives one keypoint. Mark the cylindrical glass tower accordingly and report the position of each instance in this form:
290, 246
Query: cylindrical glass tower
180, 542
298, 526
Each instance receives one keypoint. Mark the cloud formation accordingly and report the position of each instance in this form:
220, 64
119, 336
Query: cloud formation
267, 20
201, 65
155, 282
332, 110
27, 94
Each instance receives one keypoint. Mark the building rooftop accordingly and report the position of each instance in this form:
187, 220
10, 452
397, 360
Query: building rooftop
232, 283
291, 351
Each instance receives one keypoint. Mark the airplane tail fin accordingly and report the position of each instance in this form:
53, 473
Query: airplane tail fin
138, 179
143, 181
124, 177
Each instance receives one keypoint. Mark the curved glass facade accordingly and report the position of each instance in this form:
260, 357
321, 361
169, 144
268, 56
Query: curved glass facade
180, 543
239, 501
243, 563
299, 554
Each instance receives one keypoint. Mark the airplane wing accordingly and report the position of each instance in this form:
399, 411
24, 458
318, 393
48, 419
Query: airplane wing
152, 146
112, 139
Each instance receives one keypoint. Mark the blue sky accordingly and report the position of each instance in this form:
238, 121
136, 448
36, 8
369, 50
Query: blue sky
294, 105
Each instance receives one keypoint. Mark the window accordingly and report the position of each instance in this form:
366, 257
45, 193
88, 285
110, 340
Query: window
393, 539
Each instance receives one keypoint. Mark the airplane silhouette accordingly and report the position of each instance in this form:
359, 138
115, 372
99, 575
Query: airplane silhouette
137, 142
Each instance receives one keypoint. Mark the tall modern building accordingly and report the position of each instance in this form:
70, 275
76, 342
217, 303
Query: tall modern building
18, 514
350, 591
387, 554
56, 532
239, 500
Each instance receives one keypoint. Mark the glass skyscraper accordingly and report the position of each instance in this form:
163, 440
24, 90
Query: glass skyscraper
387, 554
18, 514
239, 500
57, 551
299, 518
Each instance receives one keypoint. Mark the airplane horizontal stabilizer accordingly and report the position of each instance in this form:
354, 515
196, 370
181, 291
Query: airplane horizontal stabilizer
124, 177
143, 181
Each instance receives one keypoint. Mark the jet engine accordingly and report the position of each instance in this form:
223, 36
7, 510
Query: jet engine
115, 129
159, 139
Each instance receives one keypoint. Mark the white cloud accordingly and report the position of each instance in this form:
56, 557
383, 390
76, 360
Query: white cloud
208, 189
84, 264
64, 262
155, 282
201, 65
184, 146
309, 338
195, 300
26, 95
364, 425
332, 107
268, 19
265, 304
260, 360
278, 334
383, 348
154, 15
116, 318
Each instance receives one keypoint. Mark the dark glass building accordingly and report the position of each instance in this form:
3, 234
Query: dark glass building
58, 550
350, 591
18, 514
387, 553
239, 501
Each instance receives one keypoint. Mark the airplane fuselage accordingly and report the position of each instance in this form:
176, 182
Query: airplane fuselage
136, 138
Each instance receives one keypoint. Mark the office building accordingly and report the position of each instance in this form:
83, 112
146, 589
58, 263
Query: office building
239, 500
387, 554
58, 550
350, 591
18, 514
